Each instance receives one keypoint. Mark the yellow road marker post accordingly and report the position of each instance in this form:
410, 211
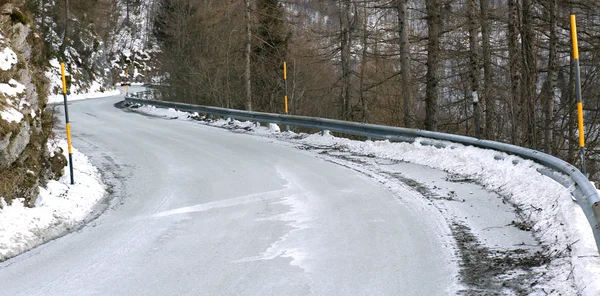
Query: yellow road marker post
578, 94
285, 97
64, 89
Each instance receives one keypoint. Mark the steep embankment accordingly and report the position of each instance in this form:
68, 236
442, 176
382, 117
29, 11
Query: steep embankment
25, 125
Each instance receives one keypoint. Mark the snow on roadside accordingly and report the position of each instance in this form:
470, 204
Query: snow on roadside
59, 208
91, 95
558, 222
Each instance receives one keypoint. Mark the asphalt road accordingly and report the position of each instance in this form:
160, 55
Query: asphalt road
202, 211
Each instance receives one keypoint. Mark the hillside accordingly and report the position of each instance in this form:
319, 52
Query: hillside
25, 125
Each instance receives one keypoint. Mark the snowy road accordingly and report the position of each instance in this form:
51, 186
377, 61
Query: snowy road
200, 211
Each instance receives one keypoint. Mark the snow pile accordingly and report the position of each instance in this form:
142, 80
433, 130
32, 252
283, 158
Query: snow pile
170, 113
60, 207
558, 222
7, 58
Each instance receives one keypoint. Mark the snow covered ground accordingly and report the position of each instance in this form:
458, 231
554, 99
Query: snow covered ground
557, 221
60, 207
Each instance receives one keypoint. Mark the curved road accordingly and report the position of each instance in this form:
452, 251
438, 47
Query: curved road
201, 211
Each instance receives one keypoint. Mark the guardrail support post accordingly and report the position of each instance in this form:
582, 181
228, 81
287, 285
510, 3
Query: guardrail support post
596, 210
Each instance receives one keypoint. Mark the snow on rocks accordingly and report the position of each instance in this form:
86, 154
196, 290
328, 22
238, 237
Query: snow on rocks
12, 88
7, 59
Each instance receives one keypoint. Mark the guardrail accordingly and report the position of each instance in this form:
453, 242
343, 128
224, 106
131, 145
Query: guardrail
584, 192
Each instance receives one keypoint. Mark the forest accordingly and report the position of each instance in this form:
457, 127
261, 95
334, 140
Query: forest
493, 69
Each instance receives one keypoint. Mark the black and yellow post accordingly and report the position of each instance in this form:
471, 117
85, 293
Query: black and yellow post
64, 89
285, 97
127, 80
578, 94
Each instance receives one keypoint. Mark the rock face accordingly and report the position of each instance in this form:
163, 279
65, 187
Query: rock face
25, 162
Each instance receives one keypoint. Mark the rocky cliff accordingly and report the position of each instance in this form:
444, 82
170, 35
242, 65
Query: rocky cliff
25, 125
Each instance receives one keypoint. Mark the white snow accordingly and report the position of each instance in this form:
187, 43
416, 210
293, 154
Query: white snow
12, 88
7, 59
559, 224
76, 97
11, 115
60, 207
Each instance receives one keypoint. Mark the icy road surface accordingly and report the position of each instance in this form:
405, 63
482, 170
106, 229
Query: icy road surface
200, 211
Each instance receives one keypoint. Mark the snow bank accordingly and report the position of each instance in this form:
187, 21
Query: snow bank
60, 207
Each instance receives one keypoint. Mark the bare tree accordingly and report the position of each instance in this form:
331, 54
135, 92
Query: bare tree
487, 100
474, 61
433, 64
552, 76
247, 73
513, 57
346, 44
404, 47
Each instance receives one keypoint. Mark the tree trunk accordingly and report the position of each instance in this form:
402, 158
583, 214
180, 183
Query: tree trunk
363, 63
474, 61
487, 99
513, 57
433, 61
549, 105
63, 45
529, 79
247, 53
345, 58
407, 102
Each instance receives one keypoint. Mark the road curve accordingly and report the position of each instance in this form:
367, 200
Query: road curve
201, 211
